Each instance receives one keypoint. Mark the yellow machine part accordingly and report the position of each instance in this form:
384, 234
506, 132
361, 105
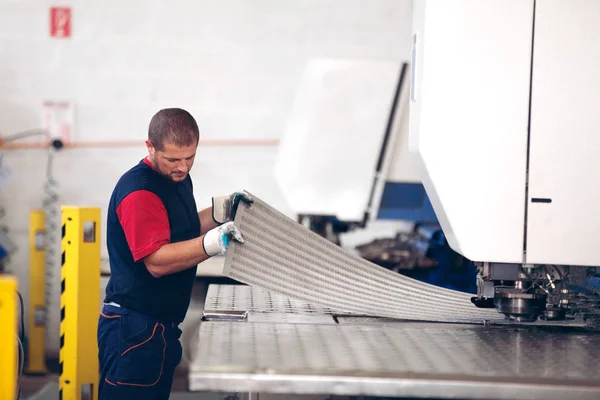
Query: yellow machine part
8, 337
36, 332
80, 303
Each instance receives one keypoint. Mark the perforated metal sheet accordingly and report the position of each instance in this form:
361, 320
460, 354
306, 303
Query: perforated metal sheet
260, 305
392, 359
291, 318
259, 300
286, 258
252, 304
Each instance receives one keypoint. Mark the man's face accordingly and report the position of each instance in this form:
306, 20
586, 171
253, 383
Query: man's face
173, 162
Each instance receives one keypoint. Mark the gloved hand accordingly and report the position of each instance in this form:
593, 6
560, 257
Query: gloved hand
216, 241
224, 208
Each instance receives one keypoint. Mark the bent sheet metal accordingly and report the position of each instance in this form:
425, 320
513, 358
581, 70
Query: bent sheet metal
284, 257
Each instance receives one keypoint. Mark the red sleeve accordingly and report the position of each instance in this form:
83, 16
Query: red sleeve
145, 222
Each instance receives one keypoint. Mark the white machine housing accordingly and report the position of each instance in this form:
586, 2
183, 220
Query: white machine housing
328, 153
504, 126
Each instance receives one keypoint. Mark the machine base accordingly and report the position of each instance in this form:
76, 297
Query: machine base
316, 353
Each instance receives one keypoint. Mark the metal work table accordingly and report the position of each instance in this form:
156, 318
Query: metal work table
258, 342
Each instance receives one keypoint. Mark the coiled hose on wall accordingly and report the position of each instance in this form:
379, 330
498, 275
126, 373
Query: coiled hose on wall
52, 229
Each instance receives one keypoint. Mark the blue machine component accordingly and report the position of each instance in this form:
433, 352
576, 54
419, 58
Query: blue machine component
453, 271
589, 285
593, 283
409, 202
406, 201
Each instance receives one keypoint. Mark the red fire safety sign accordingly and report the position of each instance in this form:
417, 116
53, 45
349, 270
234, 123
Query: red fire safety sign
60, 22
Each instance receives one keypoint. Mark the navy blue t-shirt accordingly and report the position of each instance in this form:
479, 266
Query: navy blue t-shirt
150, 198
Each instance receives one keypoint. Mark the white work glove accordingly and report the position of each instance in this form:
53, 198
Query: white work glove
224, 208
216, 241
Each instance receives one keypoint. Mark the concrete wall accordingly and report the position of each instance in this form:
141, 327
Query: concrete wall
234, 64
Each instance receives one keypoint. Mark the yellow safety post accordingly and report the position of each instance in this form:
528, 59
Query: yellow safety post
80, 303
8, 337
36, 332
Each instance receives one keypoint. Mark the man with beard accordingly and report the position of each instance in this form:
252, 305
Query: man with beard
156, 238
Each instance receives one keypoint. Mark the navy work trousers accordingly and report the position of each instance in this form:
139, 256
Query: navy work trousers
137, 354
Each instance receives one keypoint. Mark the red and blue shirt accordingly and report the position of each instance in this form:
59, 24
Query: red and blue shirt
147, 211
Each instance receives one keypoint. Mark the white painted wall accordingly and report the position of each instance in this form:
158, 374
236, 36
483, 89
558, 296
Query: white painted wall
234, 64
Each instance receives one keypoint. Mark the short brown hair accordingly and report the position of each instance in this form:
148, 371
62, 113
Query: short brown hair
175, 126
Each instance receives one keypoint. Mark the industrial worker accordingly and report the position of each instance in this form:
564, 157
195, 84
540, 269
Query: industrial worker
155, 239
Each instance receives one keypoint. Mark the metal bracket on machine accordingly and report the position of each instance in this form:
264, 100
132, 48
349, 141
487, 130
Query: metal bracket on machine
231, 316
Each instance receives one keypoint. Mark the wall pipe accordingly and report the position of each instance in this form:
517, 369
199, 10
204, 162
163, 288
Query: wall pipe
137, 143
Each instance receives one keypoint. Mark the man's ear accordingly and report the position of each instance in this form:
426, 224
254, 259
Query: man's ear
150, 147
